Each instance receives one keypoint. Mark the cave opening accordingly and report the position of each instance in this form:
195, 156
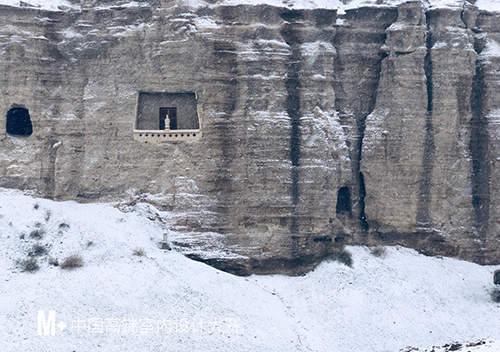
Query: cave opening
343, 200
19, 122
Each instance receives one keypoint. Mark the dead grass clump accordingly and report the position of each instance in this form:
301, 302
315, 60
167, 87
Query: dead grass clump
140, 252
379, 252
37, 234
72, 262
495, 294
29, 265
342, 256
37, 250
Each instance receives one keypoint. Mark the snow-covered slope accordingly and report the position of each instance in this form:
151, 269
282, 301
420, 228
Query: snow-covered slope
162, 301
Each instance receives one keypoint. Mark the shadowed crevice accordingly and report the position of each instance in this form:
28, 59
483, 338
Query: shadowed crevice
292, 84
356, 83
478, 146
225, 54
424, 221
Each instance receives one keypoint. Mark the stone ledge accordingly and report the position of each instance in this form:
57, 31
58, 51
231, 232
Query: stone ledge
164, 136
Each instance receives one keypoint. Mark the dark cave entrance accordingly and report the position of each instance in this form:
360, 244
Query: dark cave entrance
343, 200
19, 122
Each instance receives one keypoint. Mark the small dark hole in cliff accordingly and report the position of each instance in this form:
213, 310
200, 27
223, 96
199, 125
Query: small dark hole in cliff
343, 200
291, 16
19, 122
322, 239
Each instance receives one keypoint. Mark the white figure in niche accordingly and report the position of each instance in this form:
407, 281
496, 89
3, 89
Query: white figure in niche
167, 123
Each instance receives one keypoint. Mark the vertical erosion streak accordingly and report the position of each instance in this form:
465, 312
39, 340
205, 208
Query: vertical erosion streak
424, 196
293, 110
358, 176
292, 85
478, 146
362, 194
356, 84
225, 56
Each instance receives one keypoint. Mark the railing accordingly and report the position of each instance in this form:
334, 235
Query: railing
161, 136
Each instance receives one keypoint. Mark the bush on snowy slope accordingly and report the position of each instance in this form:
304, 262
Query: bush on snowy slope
72, 262
342, 256
28, 265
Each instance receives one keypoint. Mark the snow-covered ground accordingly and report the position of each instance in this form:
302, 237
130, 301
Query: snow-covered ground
162, 301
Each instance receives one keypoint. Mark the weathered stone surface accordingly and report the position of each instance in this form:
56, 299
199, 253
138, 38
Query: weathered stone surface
374, 126
421, 127
394, 140
485, 144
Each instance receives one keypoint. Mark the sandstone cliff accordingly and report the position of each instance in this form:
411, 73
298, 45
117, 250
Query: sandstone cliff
320, 127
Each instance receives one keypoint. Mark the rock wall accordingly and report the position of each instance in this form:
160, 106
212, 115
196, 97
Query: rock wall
428, 135
375, 126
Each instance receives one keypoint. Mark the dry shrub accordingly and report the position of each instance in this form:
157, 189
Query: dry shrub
341, 256
29, 265
379, 252
37, 234
495, 294
140, 252
72, 262
37, 250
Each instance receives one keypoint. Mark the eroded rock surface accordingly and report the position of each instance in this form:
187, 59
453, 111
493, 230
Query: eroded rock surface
374, 126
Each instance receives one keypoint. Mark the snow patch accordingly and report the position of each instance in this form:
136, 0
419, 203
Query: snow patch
492, 48
52, 5
488, 5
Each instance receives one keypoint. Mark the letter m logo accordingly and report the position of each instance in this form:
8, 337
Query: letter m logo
48, 325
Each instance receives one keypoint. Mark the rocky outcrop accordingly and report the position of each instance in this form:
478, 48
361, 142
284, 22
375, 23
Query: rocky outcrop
484, 144
428, 136
419, 132
373, 126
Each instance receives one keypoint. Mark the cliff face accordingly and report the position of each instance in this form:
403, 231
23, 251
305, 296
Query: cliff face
429, 134
374, 126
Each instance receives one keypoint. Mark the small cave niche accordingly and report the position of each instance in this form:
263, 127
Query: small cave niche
19, 122
167, 111
343, 201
